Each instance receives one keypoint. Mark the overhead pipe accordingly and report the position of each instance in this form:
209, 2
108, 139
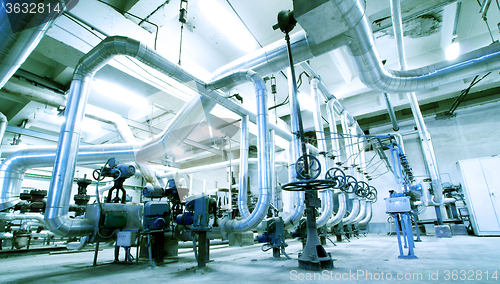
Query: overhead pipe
14, 167
243, 184
327, 194
262, 206
205, 168
21, 33
3, 126
6, 236
50, 98
274, 58
425, 139
361, 47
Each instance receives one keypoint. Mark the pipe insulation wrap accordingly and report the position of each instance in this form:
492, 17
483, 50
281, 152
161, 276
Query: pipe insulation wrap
325, 195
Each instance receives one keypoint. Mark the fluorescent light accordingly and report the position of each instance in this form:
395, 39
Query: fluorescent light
227, 23
305, 102
452, 51
120, 93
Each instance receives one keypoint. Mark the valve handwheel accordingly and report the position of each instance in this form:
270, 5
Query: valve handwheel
363, 189
336, 175
313, 167
372, 196
351, 183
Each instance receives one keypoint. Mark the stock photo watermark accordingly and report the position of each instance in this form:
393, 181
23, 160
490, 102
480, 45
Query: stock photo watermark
365, 275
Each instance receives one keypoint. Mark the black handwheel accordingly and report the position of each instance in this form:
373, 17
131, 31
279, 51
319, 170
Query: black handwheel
351, 184
372, 196
337, 175
96, 173
313, 168
363, 189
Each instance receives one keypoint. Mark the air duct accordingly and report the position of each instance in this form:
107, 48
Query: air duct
358, 38
20, 34
274, 57
262, 206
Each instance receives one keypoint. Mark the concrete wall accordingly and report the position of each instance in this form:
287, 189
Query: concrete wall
473, 133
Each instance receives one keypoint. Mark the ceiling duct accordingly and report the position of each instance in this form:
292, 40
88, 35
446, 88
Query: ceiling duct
358, 39
21, 32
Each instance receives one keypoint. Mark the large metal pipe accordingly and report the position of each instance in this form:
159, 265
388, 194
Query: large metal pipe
297, 198
263, 202
294, 156
157, 148
360, 46
274, 57
369, 214
339, 215
354, 211
243, 184
3, 126
21, 216
392, 114
14, 167
325, 195
272, 168
27, 91
362, 212
20, 33
214, 166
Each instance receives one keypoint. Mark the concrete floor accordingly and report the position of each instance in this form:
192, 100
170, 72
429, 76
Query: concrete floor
461, 257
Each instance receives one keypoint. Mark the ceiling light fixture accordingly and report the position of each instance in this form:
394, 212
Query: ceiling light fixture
452, 51
228, 24
120, 93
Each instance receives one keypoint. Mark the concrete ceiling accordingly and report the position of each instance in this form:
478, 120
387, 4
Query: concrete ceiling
428, 29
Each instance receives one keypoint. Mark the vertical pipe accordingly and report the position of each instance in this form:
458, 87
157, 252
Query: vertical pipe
3, 126
295, 153
297, 197
243, 184
392, 114
272, 168
337, 217
425, 139
326, 195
